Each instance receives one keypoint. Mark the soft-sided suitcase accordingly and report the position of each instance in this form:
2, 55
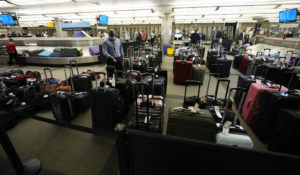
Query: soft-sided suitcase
244, 81
285, 135
252, 101
224, 68
183, 71
22, 78
94, 50
69, 52
126, 89
230, 133
91, 73
36, 74
80, 83
191, 101
198, 72
55, 54
237, 61
194, 125
45, 53
269, 107
107, 106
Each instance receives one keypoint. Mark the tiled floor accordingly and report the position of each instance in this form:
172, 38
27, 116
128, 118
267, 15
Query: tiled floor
76, 153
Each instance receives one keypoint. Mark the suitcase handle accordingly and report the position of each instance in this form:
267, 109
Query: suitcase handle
259, 54
104, 79
208, 84
192, 82
72, 85
217, 88
47, 83
239, 107
142, 84
75, 62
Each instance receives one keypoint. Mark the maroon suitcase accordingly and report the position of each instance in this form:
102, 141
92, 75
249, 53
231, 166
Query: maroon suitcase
183, 70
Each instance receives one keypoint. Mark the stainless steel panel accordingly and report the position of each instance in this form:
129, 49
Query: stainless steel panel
288, 43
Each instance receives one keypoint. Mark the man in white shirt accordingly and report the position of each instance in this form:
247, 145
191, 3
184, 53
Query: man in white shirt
250, 33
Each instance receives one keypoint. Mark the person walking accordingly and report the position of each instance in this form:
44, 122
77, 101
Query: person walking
113, 50
12, 52
195, 38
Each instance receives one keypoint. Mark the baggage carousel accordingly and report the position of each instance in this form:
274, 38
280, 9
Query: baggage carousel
49, 44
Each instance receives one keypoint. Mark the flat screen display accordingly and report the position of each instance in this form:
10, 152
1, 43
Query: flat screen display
103, 20
288, 15
7, 20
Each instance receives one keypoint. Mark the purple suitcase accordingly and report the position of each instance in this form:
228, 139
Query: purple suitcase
94, 50
224, 67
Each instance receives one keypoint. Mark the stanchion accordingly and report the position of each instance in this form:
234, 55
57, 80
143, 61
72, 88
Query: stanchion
29, 167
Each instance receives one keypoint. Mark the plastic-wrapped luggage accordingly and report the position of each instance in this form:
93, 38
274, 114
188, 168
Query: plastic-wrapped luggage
183, 70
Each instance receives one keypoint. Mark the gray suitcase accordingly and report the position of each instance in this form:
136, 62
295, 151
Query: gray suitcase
198, 72
233, 135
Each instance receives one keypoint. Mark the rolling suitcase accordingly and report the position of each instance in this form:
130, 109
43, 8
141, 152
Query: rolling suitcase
271, 102
94, 50
69, 52
186, 123
252, 101
80, 83
183, 71
36, 74
191, 101
91, 73
232, 134
198, 72
63, 105
107, 106
285, 136
244, 81
243, 65
224, 69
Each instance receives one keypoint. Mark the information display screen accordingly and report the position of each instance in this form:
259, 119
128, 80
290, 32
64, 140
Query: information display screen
288, 15
7, 20
103, 20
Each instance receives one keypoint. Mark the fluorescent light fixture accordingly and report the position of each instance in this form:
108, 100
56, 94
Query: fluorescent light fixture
217, 8
277, 6
37, 2
5, 4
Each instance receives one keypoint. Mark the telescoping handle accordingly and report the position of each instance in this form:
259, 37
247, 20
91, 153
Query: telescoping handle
104, 79
217, 88
192, 82
208, 85
145, 75
75, 63
72, 85
142, 84
259, 54
240, 105
51, 75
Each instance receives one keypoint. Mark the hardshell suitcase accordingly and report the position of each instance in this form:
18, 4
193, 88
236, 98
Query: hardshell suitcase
252, 101
230, 133
244, 81
107, 107
183, 71
271, 103
194, 125
191, 101
237, 60
198, 72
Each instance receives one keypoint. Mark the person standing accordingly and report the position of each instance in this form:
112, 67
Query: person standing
125, 36
139, 37
144, 35
152, 36
113, 50
250, 33
12, 52
224, 35
195, 38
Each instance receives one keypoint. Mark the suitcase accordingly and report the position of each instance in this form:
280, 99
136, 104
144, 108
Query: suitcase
11, 82
183, 71
252, 101
11, 72
91, 74
80, 83
230, 133
271, 102
191, 101
224, 69
107, 106
69, 52
285, 136
243, 65
36, 74
198, 125
94, 50
55, 54
237, 60
198, 72
244, 81
45, 53
22, 78
126, 89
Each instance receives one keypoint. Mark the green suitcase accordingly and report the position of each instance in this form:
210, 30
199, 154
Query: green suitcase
194, 125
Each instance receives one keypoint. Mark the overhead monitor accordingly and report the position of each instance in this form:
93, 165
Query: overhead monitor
288, 15
7, 20
103, 20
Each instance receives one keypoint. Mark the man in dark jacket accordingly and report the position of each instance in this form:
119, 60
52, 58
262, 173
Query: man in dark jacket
242, 36
195, 37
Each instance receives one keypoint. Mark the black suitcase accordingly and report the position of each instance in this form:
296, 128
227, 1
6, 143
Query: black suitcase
36, 74
11, 82
80, 83
191, 101
69, 52
126, 89
244, 81
285, 135
269, 107
107, 106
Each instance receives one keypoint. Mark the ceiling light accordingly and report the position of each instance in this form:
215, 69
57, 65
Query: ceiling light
217, 8
152, 11
277, 6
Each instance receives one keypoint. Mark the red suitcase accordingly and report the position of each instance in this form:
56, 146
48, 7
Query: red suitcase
183, 70
243, 65
252, 101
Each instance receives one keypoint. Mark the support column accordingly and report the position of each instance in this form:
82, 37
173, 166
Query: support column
166, 28
59, 32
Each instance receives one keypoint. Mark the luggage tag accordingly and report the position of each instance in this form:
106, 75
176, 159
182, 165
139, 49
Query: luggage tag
226, 128
217, 110
23, 103
258, 81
